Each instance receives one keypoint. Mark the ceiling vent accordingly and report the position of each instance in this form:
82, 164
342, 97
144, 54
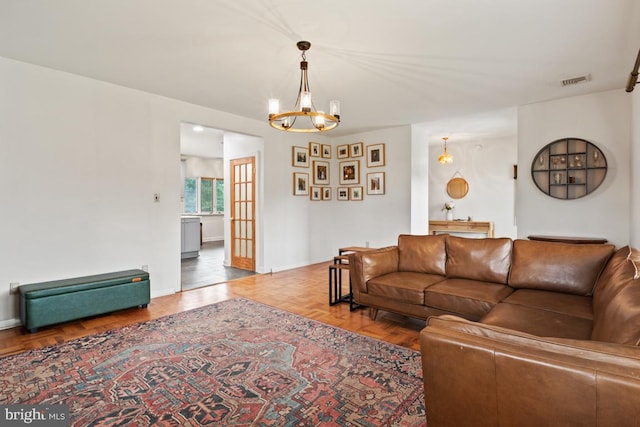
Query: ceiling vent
576, 80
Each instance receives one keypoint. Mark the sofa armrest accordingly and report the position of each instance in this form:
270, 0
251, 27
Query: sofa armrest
369, 264
482, 375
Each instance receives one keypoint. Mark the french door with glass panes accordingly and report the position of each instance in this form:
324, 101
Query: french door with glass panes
242, 190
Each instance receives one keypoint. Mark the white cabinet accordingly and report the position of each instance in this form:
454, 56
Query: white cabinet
190, 236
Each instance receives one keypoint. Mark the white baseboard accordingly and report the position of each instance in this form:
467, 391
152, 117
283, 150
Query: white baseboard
213, 239
10, 323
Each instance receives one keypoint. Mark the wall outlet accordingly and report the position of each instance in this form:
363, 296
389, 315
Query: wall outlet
366, 244
13, 287
145, 268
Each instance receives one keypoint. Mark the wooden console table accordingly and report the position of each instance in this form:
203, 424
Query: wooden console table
485, 227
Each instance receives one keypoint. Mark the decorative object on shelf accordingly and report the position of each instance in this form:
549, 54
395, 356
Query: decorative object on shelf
557, 178
320, 172
569, 168
300, 157
375, 183
375, 155
448, 208
350, 172
445, 157
300, 184
304, 107
457, 187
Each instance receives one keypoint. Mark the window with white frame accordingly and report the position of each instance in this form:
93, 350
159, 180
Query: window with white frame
203, 195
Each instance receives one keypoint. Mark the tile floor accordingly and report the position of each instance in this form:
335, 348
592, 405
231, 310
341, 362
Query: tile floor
208, 269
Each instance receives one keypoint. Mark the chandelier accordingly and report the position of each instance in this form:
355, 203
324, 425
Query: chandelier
304, 107
445, 157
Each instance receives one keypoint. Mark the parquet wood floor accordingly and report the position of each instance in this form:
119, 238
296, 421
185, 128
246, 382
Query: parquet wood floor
303, 291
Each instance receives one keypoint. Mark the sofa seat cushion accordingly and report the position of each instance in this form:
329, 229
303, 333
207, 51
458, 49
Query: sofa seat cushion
573, 305
537, 321
470, 299
403, 286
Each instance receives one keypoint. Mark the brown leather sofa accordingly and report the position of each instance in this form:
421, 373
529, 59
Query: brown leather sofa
519, 332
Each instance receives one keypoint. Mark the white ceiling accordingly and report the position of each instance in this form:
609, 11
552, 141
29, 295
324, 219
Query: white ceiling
204, 142
388, 62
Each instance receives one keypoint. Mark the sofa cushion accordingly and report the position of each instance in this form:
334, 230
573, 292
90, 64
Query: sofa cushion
470, 299
422, 254
573, 305
536, 321
487, 260
616, 300
404, 286
557, 267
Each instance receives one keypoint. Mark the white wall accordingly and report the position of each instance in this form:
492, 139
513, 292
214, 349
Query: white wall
377, 219
484, 150
420, 195
487, 165
605, 120
80, 161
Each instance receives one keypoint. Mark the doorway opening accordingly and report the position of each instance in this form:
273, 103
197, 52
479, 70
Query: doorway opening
205, 244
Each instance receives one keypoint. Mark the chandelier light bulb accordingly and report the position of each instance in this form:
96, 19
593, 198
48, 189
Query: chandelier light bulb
305, 102
334, 108
274, 106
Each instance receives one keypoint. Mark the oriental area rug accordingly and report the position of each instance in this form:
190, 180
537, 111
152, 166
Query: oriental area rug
233, 363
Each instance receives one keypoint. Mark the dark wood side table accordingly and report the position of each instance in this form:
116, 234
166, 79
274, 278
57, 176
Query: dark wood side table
340, 263
569, 239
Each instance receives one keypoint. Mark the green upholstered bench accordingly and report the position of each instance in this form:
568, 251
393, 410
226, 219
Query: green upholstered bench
58, 301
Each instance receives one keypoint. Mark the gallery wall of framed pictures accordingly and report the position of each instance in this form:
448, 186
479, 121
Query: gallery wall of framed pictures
353, 182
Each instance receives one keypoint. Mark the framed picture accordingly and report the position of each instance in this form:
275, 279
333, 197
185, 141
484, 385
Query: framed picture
375, 183
300, 184
375, 155
326, 193
316, 193
343, 193
314, 149
300, 157
342, 151
326, 151
350, 172
356, 150
355, 193
320, 172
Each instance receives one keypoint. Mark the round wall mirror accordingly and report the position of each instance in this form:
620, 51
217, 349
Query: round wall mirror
457, 188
